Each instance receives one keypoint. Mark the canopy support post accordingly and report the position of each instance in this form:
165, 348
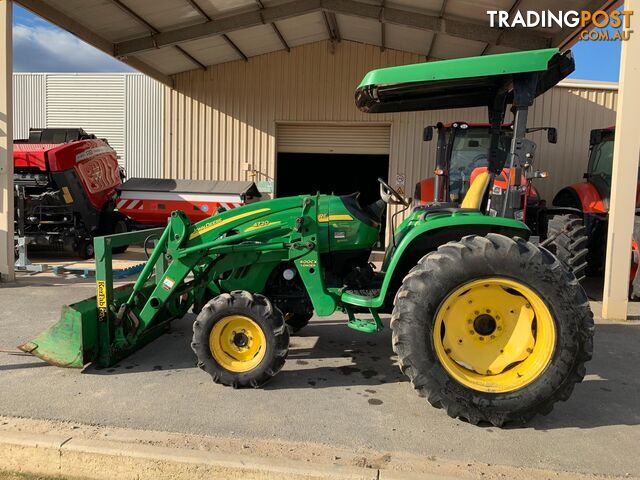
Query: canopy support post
624, 181
6, 144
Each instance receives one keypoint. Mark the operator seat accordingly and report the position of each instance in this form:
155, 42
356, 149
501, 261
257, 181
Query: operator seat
475, 199
370, 214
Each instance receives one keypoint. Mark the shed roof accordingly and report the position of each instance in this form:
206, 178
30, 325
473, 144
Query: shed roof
164, 37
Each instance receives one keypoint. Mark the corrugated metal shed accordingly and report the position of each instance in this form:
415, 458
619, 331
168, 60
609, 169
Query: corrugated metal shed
127, 109
222, 119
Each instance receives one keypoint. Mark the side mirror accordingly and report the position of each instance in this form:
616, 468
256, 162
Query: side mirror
552, 135
427, 134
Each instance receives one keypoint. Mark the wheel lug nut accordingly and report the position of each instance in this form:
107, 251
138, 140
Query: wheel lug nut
488, 310
477, 312
448, 350
471, 332
529, 350
482, 338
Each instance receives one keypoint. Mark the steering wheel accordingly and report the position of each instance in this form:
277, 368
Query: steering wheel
390, 195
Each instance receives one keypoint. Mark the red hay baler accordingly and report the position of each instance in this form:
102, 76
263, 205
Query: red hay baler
69, 189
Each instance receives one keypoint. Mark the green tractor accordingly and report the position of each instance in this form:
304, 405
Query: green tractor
486, 325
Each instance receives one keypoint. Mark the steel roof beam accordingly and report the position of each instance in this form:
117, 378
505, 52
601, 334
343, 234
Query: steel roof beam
383, 29
235, 47
515, 38
199, 9
276, 30
443, 8
153, 30
75, 28
331, 23
229, 42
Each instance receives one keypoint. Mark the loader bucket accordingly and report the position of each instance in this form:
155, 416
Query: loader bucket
73, 341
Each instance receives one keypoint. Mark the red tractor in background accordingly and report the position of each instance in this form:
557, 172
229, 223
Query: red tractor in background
462, 153
591, 198
69, 189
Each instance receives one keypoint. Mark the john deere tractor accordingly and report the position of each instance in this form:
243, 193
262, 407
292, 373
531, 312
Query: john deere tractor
485, 324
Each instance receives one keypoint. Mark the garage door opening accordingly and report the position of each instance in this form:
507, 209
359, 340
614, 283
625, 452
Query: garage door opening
338, 174
333, 158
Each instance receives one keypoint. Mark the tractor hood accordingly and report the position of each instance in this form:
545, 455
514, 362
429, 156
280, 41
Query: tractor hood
459, 83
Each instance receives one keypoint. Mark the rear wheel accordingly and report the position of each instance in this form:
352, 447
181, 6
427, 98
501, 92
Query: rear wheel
567, 239
240, 339
492, 329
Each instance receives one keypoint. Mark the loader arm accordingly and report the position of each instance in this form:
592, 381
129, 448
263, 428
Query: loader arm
189, 264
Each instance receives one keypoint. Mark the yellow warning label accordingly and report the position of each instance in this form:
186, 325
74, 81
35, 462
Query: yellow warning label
101, 288
68, 198
338, 217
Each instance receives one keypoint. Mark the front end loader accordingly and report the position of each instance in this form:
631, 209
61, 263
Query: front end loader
485, 324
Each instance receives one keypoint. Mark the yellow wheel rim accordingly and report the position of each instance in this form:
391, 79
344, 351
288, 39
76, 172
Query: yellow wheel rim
494, 335
237, 343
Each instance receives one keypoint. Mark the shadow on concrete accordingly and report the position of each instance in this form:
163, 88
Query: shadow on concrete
340, 357
610, 392
327, 354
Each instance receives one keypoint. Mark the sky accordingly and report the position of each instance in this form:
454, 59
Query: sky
39, 46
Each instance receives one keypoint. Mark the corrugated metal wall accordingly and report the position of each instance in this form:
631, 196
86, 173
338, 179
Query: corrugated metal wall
30, 106
219, 119
144, 122
94, 102
127, 109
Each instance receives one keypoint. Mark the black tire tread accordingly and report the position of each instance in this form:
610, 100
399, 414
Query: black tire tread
448, 262
567, 239
260, 309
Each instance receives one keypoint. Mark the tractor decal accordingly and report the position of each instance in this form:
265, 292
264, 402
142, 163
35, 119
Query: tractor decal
219, 222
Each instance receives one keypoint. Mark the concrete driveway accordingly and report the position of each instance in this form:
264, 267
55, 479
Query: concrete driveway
338, 387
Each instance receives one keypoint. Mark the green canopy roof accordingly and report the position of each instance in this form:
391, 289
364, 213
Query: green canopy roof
459, 83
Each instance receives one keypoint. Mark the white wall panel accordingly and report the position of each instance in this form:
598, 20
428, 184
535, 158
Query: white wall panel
143, 126
94, 102
125, 108
29, 106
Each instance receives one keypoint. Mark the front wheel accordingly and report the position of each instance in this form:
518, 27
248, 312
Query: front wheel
240, 339
492, 329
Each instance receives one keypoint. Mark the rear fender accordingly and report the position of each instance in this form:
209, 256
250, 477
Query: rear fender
581, 195
426, 236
